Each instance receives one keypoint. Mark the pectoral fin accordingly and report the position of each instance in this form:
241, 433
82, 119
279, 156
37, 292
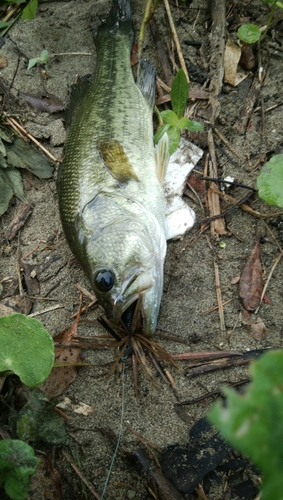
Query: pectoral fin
162, 157
116, 161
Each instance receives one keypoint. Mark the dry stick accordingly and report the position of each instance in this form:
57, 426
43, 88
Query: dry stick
245, 207
80, 474
217, 225
217, 46
162, 55
277, 260
176, 39
18, 221
226, 142
216, 307
46, 311
247, 111
219, 299
148, 13
16, 126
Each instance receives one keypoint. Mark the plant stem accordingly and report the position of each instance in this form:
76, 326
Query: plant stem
150, 8
270, 17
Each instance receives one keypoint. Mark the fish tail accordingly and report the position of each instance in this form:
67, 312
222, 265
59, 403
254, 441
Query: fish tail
118, 22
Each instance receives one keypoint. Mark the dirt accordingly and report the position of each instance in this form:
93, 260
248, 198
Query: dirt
189, 305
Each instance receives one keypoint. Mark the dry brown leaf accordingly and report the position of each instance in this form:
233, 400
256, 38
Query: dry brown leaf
43, 101
258, 329
62, 376
80, 408
232, 57
251, 283
3, 62
46, 482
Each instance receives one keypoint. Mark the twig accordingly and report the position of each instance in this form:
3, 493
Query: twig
80, 474
247, 111
217, 225
217, 46
176, 40
16, 126
148, 13
162, 55
143, 440
49, 309
277, 260
226, 142
216, 307
18, 221
246, 208
219, 298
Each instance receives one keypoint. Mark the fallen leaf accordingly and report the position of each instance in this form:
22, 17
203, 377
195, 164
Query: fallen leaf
251, 283
232, 55
62, 376
80, 408
247, 59
258, 329
3, 62
235, 280
46, 482
43, 101
134, 54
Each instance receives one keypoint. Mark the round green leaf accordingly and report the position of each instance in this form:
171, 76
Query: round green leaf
270, 181
159, 133
17, 465
249, 33
27, 349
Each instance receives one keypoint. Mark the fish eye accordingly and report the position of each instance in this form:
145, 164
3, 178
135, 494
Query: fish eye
104, 280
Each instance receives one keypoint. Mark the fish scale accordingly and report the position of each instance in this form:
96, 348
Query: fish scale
110, 197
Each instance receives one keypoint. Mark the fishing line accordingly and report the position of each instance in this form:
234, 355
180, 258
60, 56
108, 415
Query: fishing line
120, 427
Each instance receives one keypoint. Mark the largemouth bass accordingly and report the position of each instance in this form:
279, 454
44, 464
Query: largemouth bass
111, 197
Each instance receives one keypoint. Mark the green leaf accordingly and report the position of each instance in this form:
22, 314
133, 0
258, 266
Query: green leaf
26, 348
249, 33
179, 93
3, 24
5, 136
17, 465
253, 422
32, 62
270, 181
30, 10
6, 193
169, 117
37, 420
159, 133
174, 135
13, 178
189, 125
22, 155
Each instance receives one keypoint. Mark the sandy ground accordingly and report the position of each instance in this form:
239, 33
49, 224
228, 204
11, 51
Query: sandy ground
189, 289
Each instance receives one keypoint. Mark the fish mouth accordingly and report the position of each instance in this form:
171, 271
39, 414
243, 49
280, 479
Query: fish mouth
131, 318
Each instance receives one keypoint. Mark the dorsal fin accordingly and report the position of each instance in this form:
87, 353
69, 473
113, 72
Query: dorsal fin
146, 81
116, 161
77, 93
162, 157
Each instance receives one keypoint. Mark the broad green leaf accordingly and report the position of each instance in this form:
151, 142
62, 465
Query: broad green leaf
5, 136
13, 178
6, 193
17, 465
169, 117
37, 420
253, 423
3, 24
30, 10
270, 181
249, 33
32, 62
22, 155
174, 138
2, 148
189, 124
3, 162
179, 93
26, 349
159, 133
